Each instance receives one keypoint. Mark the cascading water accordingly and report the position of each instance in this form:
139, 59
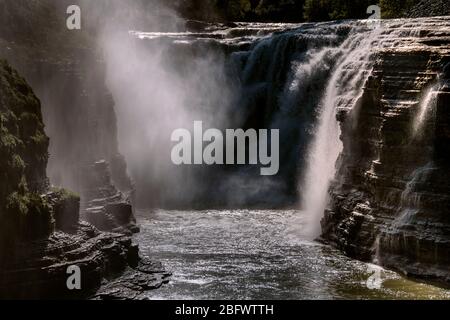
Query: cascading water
304, 70
426, 107
293, 80
410, 199
409, 207
322, 67
343, 90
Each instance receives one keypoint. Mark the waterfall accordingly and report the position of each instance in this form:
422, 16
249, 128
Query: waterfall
426, 106
410, 199
291, 80
342, 91
409, 207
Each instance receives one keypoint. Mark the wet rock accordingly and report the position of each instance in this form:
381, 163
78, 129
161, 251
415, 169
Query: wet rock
131, 286
146, 275
390, 200
39, 268
104, 206
40, 232
66, 209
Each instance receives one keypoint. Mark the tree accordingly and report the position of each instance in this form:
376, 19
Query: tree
323, 10
395, 8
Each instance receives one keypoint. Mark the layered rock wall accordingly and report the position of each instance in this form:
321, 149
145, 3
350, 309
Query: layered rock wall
40, 231
391, 197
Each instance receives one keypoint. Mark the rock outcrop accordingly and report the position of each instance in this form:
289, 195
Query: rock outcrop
390, 200
23, 160
104, 206
39, 267
40, 231
134, 282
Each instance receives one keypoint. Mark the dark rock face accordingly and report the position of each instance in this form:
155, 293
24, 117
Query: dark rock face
390, 200
146, 275
104, 206
23, 159
40, 232
39, 268
78, 111
67, 75
66, 210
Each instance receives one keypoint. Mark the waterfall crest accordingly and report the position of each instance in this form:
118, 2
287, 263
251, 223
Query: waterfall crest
295, 78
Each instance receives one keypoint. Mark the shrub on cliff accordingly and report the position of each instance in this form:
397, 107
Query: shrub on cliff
24, 214
66, 209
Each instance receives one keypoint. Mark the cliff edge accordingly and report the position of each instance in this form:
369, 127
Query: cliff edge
390, 198
41, 234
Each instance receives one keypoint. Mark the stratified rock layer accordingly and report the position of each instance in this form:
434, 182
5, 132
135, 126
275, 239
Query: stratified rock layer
40, 232
391, 198
39, 268
104, 206
146, 275
23, 159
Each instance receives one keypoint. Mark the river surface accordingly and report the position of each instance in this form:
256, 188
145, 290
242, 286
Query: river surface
251, 254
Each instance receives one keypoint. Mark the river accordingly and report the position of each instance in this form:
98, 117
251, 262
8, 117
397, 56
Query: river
260, 254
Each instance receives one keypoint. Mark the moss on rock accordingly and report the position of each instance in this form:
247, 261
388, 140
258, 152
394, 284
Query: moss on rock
24, 214
66, 209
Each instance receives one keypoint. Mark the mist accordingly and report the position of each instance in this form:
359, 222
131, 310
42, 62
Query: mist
158, 87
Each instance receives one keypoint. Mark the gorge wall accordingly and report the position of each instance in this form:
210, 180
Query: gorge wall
66, 72
41, 234
387, 84
43, 228
390, 198
429, 8
23, 147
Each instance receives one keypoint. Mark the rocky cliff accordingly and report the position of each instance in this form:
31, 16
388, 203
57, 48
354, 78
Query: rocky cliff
40, 231
66, 72
23, 160
390, 199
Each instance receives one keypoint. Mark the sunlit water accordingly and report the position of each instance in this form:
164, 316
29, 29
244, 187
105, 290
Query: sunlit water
247, 254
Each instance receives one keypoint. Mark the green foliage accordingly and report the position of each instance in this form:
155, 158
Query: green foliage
23, 160
242, 10
395, 8
280, 10
64, 194
324, 10
289, 10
